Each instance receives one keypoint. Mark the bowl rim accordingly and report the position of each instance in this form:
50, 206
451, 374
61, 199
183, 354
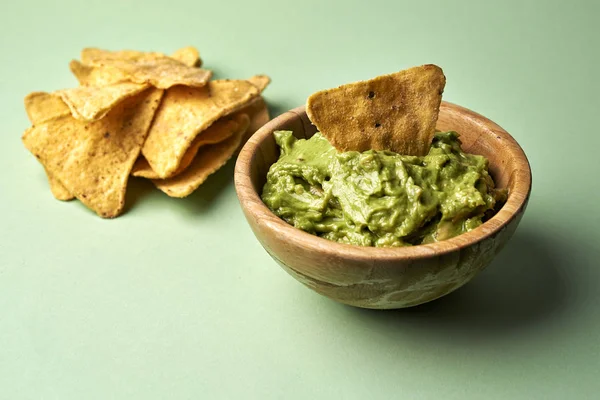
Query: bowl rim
254, 207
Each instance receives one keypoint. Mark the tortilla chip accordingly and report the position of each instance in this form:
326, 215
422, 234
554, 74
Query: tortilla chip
108, 75
95, 56
260, 81
217, 132
93, 160
88, 75
189, 56
91, 103
59, 191
156, 69
184, 113
208, 160
42, 107
394, 112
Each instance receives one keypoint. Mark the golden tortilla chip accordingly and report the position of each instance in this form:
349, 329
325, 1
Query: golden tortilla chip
189, 56
184, 113
257, 112
156, 69
59, 191
93, 160
394, 112
88, 75
260, 81
91, 103
95, 56
217, 132
42, 107
108, 75
208, 160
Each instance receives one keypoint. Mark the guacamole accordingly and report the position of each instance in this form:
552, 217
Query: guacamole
380, 198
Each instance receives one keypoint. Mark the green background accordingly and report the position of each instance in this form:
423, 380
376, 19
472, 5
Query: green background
176, 298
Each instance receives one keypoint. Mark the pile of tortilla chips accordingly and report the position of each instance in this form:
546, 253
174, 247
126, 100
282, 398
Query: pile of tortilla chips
143, 114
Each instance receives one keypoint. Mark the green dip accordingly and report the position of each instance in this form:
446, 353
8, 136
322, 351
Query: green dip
380, 198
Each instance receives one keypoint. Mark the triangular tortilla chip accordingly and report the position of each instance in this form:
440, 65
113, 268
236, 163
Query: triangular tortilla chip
257, 112
42, 107
95, 56
189, 56
59, 191
184, 113
216, 133
91, 103
394, 112
88, 75
260, 81
156, 69
208, 160
105, 86
107, 75
93, 160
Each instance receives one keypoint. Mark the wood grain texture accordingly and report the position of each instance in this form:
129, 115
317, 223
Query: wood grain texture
386, 278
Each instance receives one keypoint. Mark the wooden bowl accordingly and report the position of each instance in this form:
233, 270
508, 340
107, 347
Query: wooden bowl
383, 278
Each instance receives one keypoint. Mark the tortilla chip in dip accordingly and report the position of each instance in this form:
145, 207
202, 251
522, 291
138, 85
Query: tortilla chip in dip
395, 112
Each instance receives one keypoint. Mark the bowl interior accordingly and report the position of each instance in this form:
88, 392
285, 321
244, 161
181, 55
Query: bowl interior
478, 135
